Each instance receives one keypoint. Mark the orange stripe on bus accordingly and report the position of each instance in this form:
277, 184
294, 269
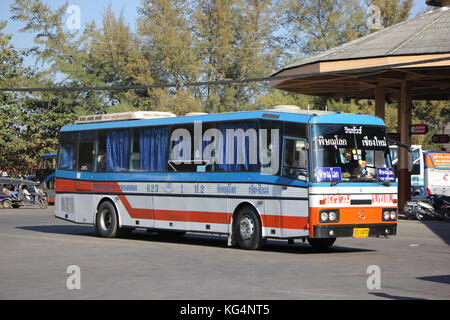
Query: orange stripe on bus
268, 221
65, 185
284, 222
175, 215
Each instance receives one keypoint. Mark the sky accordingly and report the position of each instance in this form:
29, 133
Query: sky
93, 10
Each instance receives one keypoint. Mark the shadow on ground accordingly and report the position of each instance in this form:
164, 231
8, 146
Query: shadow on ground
440, 228
445, 278
219, 241
392, 297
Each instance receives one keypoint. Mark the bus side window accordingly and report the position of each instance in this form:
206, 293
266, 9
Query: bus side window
295, 159
68, 149
153, 149
100, 161
86, 151
135, 155
270, 134
181, 151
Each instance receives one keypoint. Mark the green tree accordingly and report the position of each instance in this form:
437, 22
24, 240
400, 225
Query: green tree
313, 26
235, 40
165, 36
28, 123
392, 11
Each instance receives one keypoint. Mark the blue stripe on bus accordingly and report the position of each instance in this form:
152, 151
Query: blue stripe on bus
354, 119
222, 177
337, 118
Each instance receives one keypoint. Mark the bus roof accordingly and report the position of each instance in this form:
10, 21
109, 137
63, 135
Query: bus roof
300, 116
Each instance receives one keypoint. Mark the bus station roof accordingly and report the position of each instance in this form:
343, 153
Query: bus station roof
405, 62
417, 49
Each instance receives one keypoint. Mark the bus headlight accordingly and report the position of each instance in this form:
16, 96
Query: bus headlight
328, 216
324, 216
389, 214
332, 216
393, 215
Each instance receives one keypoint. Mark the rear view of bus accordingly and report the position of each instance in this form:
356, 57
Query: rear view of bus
437, 172
283, 173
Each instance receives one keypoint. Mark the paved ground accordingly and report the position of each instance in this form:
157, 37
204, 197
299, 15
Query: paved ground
36, 250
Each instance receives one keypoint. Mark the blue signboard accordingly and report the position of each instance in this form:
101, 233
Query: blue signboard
385, 174
328, 174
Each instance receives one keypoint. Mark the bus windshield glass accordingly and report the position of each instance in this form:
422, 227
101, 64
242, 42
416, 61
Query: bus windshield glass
350, 153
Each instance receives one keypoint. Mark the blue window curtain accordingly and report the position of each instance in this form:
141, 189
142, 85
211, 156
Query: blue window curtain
68, 156
232, 159
117, 146
154, 144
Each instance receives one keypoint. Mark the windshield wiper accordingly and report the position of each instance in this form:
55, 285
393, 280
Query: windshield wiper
386, 183
333, 183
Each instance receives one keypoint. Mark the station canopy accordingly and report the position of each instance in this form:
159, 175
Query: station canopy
417, 50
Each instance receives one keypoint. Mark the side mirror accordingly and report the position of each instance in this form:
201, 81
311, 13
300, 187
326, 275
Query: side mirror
300, 147
410, 162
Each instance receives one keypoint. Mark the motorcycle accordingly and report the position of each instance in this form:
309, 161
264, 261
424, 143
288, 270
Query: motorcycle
420, 210
441, 204
437, 207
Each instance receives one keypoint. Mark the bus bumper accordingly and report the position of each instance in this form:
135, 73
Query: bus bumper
335, 231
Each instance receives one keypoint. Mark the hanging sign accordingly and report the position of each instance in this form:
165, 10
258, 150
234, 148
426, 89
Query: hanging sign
418, 129
440, 138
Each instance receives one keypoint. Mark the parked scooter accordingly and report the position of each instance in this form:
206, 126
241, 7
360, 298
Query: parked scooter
438, 207
420, 210
441, 204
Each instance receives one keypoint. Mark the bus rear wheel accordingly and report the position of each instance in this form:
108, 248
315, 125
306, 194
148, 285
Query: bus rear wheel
247, 229
321, 243
107, 224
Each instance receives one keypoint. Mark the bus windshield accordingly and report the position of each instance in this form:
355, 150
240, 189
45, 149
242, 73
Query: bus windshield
350, 153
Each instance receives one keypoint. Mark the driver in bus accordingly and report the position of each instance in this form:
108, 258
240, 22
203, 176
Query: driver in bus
361, 170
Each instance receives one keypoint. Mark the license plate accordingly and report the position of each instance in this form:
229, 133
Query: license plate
360, 232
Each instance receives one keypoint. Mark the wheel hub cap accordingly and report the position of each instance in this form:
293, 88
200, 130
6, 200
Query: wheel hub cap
246, 228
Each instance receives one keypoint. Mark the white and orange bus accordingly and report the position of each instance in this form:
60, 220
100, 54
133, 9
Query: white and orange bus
252, 175
437, 172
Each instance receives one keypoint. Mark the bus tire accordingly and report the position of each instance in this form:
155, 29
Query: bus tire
247, 229
106, 221
321, 243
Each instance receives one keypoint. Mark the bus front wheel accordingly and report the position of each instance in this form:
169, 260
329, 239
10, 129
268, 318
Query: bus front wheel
247, 229
107, 224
